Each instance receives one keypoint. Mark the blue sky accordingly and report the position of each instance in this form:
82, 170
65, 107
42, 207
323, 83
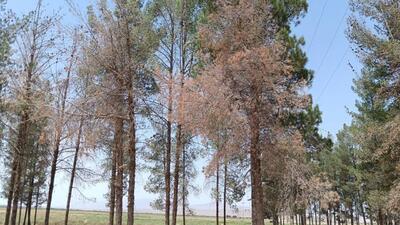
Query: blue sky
329, 56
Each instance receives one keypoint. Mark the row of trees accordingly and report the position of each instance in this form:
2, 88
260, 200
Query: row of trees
363, 165
155, 85
356, 179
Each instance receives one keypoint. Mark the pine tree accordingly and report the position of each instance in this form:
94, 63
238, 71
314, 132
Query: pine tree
241, 52
377, 47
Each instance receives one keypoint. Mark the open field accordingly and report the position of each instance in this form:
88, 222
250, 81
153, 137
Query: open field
101, 218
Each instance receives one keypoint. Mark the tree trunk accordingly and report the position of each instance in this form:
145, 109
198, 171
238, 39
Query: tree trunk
315, 214
327, 217
304, 217
112, 186
132, 154
310, 216
25, 215
363, 214
334, 216
17, 193
30, 196
380, 217
225, 180
19, 157
179, 146
184, 186
119, 126
20, 212
319, 215
10, 195
36, 205
351, 215
357, 215
217, 196
52, 178
71, 182
275, 219
167, 163
59, 131
169, 130
283, 218
257, 205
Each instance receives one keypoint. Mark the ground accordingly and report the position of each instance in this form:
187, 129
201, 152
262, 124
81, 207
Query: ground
101, 218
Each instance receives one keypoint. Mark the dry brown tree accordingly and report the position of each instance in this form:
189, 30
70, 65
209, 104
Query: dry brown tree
246, 85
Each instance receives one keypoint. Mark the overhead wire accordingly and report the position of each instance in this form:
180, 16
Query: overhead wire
318, 24
332, 40
333, 73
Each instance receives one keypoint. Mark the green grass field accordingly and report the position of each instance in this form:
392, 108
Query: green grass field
101, 218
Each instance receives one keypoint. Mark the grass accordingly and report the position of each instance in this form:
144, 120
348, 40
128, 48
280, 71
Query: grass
101, 218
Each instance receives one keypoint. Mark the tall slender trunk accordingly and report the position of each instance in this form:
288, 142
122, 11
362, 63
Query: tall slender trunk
15, 186
25, 215
334, 216
316, 213
59, 131
184, 186
30, 195
119, 126
275, 219
73, 171
20, 157
380, 220
132, 154
169, 130
52, 178
310, 215
167, 160
319, 214
112, 186
351, 215
36, 205
257, 198
10, 195
363, 214
132, 123
225, 184
217, 196
20, 212
179, 146
283, 218
327, 217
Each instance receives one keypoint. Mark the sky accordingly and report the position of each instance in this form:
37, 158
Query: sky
330, 56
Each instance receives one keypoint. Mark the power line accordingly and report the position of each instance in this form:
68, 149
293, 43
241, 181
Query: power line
332, 40
333, 73
318, 23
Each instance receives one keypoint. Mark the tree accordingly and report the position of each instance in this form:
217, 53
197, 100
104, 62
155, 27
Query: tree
60, 121
249, 62
119, 45
177, 22
377, 47
28, 102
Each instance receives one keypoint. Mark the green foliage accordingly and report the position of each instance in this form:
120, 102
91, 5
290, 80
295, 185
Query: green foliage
362, 164
6, 34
